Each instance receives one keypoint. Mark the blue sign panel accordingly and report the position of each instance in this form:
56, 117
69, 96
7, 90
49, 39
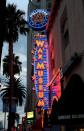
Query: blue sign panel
41, 71
38, 19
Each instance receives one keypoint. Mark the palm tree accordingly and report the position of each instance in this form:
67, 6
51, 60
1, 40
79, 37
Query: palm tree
15, 25
17, 65
19, 92
17, 68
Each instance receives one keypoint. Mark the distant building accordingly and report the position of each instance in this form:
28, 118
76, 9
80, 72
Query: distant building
1, 125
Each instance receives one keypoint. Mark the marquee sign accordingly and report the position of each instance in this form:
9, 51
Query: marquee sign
41, 71
38, 19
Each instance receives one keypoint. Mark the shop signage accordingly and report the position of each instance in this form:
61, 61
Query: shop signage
41, 71
38, 19
70, 119
30, 115
73, 116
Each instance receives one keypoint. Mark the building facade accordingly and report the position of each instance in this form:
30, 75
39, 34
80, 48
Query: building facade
65, 33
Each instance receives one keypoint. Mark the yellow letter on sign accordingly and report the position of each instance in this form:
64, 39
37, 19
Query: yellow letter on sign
41, 103
39, 43
40, 51
40, 94
40, 56
40, 87
40, 80
40, 73
40, 66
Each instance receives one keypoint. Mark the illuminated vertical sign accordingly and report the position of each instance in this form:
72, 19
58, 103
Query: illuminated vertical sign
41, 70
56, 87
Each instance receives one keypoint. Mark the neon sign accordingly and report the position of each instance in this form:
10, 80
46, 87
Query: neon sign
41, 71
56, 87
38, 19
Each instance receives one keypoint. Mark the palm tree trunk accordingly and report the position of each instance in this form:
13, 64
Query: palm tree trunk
11, 82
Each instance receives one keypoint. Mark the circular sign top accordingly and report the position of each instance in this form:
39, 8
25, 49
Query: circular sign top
38, 19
